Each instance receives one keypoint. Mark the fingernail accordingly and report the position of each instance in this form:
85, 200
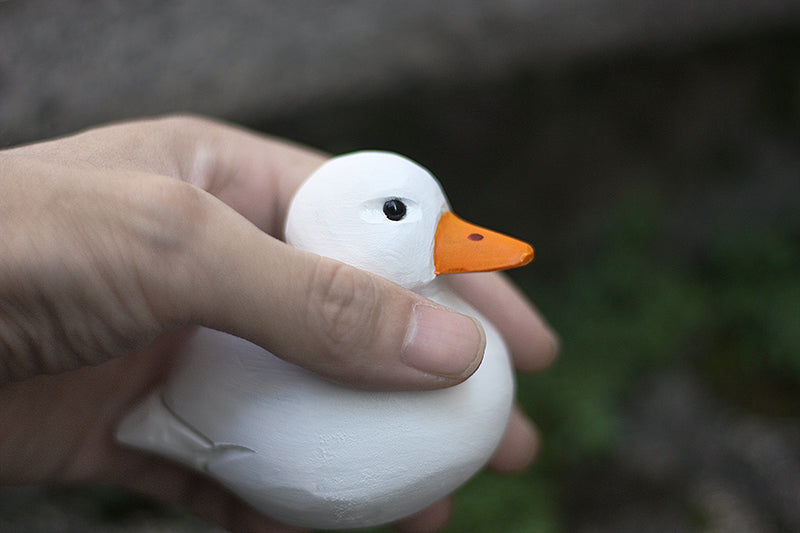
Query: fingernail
443, 342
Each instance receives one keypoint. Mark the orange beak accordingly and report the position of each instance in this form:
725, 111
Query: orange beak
463, 247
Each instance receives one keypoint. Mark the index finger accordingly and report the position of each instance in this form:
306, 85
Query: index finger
254, 174
533, 344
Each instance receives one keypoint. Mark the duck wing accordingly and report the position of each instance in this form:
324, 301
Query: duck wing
154, 427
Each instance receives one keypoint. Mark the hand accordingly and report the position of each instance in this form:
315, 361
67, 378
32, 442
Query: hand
115, 241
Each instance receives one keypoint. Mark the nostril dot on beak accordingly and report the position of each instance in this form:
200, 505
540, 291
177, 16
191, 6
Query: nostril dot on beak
475, 236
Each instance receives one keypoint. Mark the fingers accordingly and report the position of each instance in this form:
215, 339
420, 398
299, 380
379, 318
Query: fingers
518, 446
431, 519
533, 344
255, 174
345, 324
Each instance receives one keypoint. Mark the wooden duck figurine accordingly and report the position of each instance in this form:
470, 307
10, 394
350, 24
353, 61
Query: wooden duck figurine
312, 453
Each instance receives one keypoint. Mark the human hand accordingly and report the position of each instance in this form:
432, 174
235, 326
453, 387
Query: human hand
115, 239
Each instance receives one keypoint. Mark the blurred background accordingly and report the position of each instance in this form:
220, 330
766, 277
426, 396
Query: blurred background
649, 150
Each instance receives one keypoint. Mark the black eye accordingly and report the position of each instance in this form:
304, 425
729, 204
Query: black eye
394, 209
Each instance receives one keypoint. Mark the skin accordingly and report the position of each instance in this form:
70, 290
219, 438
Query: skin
116, 241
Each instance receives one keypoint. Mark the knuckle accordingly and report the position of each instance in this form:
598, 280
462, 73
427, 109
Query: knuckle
344, 307
173, 214
167, 232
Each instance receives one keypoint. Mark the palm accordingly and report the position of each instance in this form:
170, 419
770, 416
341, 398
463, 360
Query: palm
65, 425
65, 421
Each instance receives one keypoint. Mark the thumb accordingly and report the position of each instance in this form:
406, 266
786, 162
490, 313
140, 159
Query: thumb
338, 321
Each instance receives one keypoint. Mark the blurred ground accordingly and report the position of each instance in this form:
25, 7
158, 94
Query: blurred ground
650, 152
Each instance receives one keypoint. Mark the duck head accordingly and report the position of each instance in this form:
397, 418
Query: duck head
382, 212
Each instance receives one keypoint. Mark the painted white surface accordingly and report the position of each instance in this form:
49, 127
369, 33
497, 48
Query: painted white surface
306, 451
338, 213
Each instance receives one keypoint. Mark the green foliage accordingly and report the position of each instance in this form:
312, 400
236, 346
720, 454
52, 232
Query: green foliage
621, 314
731, 311
752, 345
521, 503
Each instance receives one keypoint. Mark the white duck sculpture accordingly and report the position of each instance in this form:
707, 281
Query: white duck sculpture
312, 453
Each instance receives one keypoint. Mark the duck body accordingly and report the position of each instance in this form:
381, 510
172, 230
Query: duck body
312, 453
315, 454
